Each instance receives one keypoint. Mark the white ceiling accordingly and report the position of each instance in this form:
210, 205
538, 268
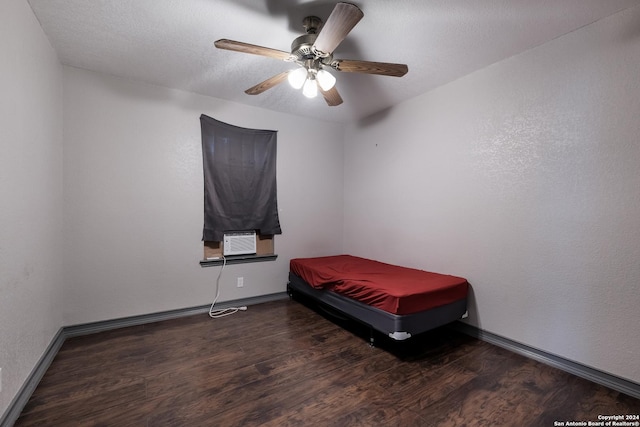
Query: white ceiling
170, 43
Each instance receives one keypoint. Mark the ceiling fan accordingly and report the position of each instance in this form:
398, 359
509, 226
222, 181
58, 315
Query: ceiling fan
313, 52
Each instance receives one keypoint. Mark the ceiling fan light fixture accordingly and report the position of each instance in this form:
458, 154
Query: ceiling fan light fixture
310, 88
297, 78
313, 52
326, 80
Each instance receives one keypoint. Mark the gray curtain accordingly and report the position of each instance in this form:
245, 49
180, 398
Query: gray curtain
239, 179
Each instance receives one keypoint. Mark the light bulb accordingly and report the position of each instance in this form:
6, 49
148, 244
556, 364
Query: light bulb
326, 80
297, 78
310, 89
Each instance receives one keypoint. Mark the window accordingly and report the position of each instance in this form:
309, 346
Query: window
240, 191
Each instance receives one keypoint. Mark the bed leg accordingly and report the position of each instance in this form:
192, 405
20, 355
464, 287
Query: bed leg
371, 339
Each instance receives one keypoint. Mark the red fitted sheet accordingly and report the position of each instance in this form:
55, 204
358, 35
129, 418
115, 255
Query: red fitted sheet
394, 289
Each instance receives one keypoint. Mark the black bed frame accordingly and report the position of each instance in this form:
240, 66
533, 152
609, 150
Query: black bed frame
397, 327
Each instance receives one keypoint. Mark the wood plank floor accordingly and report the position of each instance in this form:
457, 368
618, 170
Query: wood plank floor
283, 364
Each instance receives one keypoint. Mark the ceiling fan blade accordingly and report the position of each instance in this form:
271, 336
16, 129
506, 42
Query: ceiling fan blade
332, 96
368, 67
267, 84
344, 17
252, 48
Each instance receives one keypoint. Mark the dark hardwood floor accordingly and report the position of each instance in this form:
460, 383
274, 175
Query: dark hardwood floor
283, 364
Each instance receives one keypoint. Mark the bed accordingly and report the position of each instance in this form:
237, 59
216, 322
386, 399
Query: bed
397, 301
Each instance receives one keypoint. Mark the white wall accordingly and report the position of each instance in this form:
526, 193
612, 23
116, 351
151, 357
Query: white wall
523, 177
134, 197
30, 195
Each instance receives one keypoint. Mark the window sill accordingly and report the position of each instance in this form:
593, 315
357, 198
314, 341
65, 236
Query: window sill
238, 259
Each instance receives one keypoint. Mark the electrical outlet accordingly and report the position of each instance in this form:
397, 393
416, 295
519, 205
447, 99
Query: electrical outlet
240, 282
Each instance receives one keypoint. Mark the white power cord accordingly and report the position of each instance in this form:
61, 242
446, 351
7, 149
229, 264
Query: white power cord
222, 311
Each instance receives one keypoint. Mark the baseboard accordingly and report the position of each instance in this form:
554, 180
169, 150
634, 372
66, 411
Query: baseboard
616, 383
20, 400
106, 325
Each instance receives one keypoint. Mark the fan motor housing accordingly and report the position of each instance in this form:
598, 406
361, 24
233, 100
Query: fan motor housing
301, 47
302, 50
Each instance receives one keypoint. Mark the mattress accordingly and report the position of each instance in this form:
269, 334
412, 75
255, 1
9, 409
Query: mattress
391, 288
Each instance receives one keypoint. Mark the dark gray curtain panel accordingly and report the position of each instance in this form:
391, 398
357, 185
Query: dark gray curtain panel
239, 179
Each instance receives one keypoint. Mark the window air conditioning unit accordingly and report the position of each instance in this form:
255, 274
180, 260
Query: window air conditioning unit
239, 243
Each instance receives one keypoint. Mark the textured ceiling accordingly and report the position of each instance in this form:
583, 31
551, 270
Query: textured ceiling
170, 43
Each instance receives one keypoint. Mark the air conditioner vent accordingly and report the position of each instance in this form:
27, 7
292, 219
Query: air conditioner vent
239, 243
